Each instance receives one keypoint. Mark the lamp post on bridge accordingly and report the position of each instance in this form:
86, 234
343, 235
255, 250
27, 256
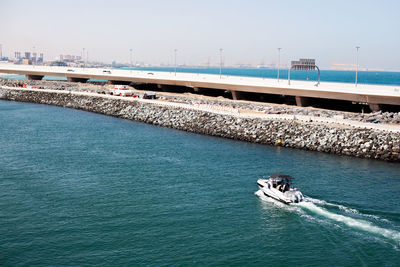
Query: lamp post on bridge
130, 51
357, 47
83, 57
279, 60
33, 53
220, 63
175, 50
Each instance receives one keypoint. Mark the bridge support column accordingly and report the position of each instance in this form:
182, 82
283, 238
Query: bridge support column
236, 95
375, 107
302, 101
196, 89
77, 80
34, 77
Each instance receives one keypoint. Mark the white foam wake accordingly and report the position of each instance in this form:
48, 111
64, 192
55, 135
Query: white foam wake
351, 222
345, 209
310, 204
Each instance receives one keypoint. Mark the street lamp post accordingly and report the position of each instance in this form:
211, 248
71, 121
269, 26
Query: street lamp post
34, 62
175, 50
357, 47
220, 63
130, 52
83, 57
279, 60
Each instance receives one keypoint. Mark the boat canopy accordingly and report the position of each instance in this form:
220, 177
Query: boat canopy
281, 176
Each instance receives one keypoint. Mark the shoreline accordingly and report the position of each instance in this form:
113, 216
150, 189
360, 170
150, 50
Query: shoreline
329, 136
247, 105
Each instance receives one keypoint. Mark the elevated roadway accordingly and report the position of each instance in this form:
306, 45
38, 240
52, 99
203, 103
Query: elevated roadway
374, 95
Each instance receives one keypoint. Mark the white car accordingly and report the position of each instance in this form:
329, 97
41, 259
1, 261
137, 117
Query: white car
121, 90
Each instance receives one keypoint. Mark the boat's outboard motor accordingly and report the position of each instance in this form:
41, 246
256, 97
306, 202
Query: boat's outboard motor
295, 196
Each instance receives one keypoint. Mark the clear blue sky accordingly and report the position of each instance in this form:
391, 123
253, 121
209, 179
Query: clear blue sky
248, 31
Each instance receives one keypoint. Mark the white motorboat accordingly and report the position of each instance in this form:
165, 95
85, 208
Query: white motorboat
278, 187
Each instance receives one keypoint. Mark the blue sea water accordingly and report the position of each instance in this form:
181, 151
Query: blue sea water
79, 189
364, 77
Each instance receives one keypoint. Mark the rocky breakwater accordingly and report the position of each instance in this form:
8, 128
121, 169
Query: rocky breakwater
329, 138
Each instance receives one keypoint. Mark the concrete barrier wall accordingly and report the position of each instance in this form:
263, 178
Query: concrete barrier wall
357, 142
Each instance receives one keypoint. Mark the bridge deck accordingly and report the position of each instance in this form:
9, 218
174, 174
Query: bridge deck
365, 93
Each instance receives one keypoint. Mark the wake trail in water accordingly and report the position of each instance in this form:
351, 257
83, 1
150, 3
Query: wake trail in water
312, 206
345, 209
351, 222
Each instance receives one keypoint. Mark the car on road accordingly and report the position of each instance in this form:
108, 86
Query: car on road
150, 95
121, 90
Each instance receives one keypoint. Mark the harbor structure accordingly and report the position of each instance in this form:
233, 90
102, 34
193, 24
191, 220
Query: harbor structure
303, 91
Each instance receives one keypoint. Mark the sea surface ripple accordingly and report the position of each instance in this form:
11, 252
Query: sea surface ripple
79, 189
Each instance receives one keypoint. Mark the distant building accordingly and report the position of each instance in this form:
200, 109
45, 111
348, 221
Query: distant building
31, 57
26, 61
40, 59
34, 57
70, 58
59, 64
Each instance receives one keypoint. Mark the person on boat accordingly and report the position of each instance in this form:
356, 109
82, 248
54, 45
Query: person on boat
279, 185
285, 188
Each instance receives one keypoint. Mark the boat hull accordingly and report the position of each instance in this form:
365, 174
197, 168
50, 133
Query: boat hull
276, 198
288, 197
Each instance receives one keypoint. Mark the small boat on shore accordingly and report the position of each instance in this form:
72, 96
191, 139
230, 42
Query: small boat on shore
278, 187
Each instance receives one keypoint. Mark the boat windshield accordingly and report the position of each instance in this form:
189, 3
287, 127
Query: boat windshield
281, 176
281, 181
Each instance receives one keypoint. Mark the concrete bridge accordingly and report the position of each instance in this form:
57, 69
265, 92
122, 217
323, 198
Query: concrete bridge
303, 91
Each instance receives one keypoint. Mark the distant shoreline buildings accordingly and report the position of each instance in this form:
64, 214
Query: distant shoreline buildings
32, 58
29, 58
35, 58
351, 67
